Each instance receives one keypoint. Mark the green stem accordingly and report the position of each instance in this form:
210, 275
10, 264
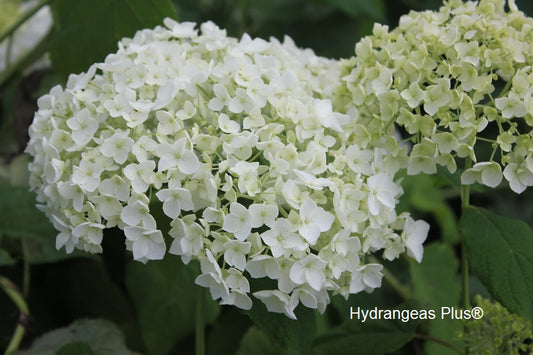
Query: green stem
28, 59
14, 294
465, 202
25, 17
7, 59
440, 341
404, 291
27, 274
199, 322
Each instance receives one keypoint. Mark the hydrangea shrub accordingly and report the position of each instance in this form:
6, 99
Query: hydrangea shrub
455, 80
239, 142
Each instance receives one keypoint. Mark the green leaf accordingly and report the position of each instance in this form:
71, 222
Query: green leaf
423, 193
101, 336
359, 8
435, 285
500, 254
75, 348
164, 296
434, 279
89, 30
225, 336
374, 337
43, 250
5, 258
18, 170
17, 208
295, 336
257, 342
88, 291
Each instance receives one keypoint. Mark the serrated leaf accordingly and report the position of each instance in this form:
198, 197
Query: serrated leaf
500, 254
89, 30
295, 336
102, 337
164, 296
435, 285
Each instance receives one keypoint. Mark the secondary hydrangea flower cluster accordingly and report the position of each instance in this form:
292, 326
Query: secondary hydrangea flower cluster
238, 141
456, 80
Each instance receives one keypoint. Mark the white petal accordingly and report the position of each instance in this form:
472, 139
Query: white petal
188, 163
315, 278
310, 232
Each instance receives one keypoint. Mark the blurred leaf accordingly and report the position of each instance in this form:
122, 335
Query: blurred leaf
226, 334
333, 37
257, 342
18, 169
374, 337
17, 209
164, 296
360, 8
452, 179
5, 258
436, 286
8, 143
75, 348
295, 336
101, 336
422, 193
363, 299
19, 218
500, 254
43, 250
525, 6
91, 293
435, 277
89, 30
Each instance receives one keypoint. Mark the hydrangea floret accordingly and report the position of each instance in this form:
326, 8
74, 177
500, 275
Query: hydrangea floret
239, 143
459, 81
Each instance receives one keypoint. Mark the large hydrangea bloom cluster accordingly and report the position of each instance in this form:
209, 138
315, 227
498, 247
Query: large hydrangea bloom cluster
455, 80
239, 143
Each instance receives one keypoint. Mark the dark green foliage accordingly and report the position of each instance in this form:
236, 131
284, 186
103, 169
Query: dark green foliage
87, 31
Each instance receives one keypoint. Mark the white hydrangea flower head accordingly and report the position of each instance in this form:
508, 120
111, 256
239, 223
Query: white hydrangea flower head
458, 81
240, 144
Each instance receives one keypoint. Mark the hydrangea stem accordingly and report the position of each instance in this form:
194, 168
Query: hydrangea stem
404, 291
27, 270
25, 17
465, 202
14, 294
199, 322
25, 61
